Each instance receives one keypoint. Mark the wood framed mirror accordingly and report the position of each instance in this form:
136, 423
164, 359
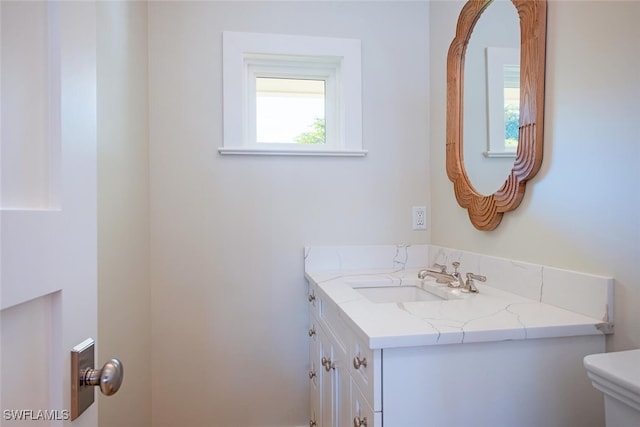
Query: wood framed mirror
486, 210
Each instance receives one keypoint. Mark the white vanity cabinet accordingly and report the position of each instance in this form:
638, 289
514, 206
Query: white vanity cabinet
339, 365
510, 355
528, 383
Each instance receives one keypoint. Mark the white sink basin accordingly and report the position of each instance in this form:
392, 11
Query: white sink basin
384, 294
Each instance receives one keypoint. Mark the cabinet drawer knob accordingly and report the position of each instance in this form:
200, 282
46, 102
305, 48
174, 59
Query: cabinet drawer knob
311, 298
357, 362
328, 364
358, 422
312, 374
312, 331
312, 423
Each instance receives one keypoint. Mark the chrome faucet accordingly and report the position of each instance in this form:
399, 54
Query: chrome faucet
438, 271
453, 280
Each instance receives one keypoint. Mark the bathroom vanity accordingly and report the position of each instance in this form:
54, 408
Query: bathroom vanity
386, 348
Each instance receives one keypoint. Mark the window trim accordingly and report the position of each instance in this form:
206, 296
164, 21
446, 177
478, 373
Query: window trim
337, 61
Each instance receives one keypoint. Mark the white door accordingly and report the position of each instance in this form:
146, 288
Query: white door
48, 217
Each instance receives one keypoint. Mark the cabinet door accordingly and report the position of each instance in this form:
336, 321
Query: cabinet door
315, 376
361, 412
335, 384
327, 387
343, 391
330, 379
366, 370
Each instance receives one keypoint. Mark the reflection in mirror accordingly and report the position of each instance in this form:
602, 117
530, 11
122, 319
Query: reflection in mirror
290, 110
491, 97
487, 209
503, 96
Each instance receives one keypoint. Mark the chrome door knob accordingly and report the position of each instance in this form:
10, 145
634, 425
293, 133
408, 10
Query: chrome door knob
109, 378
84, 377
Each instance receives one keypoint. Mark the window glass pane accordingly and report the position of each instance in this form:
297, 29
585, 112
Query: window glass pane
290, 110
511, 106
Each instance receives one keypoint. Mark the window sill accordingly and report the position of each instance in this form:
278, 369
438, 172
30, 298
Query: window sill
499, 154
247, 151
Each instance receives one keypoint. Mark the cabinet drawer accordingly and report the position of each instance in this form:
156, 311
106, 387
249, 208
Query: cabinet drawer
330, 320
314, 302
362, 413
366, 370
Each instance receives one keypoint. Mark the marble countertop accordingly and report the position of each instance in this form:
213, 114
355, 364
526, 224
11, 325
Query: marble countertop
490, 315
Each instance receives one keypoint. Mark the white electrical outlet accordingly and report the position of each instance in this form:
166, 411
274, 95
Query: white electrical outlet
419, 218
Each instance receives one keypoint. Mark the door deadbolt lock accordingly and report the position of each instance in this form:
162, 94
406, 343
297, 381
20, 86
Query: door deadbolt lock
84, 377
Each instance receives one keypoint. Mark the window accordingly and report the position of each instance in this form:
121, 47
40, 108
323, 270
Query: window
290, 110
503, 93
291, 95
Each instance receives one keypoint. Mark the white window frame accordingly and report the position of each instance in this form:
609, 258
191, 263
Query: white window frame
497, 58
336, 61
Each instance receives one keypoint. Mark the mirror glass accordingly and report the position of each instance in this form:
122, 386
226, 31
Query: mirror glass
492, 97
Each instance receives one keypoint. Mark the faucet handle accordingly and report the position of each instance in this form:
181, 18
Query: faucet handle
471, 276
470, 286
443, 268
455, 265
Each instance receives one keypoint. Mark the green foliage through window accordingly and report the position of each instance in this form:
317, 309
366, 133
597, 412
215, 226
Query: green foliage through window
315, 136
511, 125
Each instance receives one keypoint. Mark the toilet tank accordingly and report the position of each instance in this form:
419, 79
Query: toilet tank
617, 375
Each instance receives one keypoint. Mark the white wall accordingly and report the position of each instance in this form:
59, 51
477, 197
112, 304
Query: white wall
228, 302
123, 210
581, 211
